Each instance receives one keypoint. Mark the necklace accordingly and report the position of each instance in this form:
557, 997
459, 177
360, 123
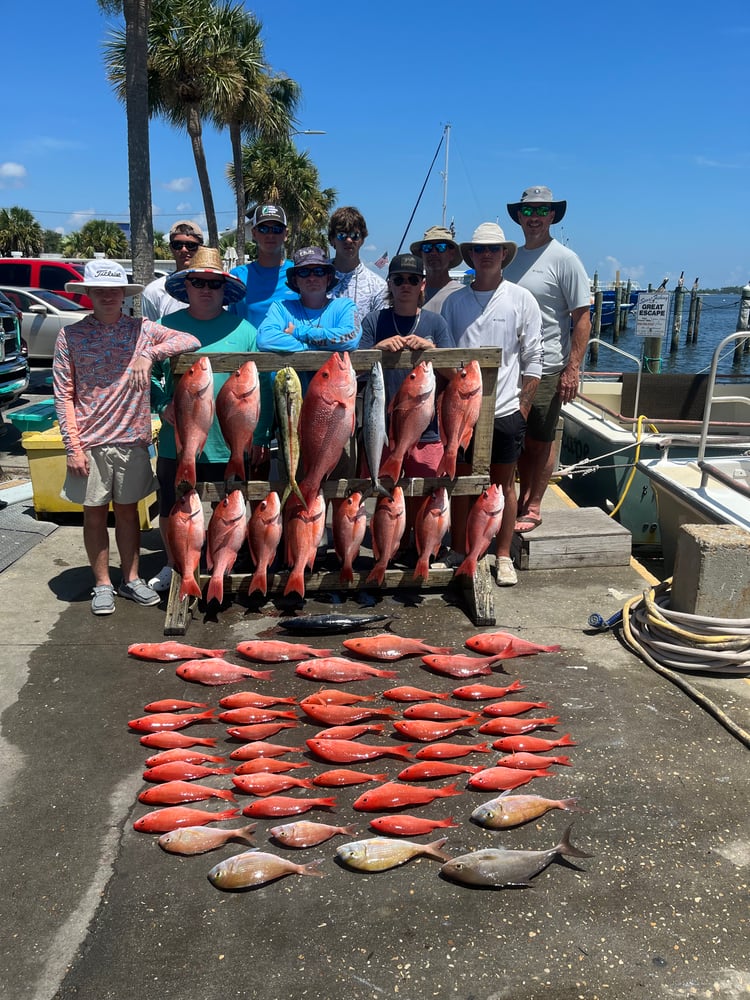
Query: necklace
414, 325
482, 305
309, 318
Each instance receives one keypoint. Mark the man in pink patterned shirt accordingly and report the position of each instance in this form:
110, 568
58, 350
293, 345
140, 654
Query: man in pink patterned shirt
102, 377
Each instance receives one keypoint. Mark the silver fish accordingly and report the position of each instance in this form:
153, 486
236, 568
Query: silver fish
374, 432
254, 868
199, 839
287, 395
330, 623
378, 854
500, 866
512, 810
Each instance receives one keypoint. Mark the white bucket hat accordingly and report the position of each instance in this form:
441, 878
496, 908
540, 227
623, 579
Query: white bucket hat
490, 234
103, 274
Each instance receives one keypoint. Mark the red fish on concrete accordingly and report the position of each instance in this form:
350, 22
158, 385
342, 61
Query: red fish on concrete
334, 696
485, 692
190, 756
238, 412
267, 765
173, 705
263, 783
304, 529
435, 710
407, 693
458, 409
285, 805
427, 731
342, 777
172, 793
174, 817
339, 670
327, 421
514, 727
193, 415
182, 770
258, 731
170, 740
431, 525
186, 533
498, 779
305, 833
350, 732
243, 699
344, 715
261, 748
214, 671
249, 714
531, 744
448, 751
404, 825
164, 652
349, 523
459, 665
278, 651
506, 708
394, 795
159, 722
428, 770
530, 761
409, 412
388, 646
481, 527
226, 534
264, 531
387, 528
506, 642
349, 751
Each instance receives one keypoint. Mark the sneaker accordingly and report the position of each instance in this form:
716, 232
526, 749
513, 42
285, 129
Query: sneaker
450, 560
505, 572
103, 599
162, 581
138, 590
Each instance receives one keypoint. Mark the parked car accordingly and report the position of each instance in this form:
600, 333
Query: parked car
33, 272
14, 368
44, 314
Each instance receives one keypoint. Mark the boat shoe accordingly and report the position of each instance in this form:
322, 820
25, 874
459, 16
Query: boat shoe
139, 591
103, 599
505, 572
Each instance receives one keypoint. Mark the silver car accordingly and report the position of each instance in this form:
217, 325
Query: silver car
44, 313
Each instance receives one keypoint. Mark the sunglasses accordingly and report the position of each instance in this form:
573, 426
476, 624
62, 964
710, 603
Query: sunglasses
308, 272
486, 248
354, 237
541, 210
213, 283
399, 279
265, 228
439, 247
182, 245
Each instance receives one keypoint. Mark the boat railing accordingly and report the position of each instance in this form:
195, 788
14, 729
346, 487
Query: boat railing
711, 399
625, 354
707, 469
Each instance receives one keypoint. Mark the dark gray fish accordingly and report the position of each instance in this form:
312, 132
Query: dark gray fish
374, 433
330, 623
500, 866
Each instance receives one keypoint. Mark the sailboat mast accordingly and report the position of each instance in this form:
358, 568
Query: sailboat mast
447, 136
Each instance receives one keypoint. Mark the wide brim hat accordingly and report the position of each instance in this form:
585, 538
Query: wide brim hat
490, 234
206, 261
436, 234
103, 273
538, 196
310, 257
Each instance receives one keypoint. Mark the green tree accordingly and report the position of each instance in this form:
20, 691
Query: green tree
134, 93
161, 247
278, 172
52, 241
20, 231
97, 236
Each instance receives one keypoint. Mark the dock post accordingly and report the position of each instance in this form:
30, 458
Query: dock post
698, 307
626, 312
690, 338
743, 323
679, 295
616, 317
596, 326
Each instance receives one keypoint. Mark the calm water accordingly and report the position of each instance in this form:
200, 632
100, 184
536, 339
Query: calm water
718, 318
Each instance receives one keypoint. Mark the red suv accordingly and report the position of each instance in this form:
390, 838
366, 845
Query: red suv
33, 272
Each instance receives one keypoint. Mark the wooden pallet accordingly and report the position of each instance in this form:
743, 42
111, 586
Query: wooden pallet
581, 536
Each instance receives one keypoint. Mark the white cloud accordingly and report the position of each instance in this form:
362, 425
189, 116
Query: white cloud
12, 175
185, 207
78, 219
179, 184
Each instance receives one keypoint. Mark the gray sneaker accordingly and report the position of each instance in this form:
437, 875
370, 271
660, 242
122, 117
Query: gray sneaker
103, 599
139, 591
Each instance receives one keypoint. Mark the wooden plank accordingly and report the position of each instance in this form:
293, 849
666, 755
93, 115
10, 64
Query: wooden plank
362, 361
179, 612
572, 538
338, 488
478, 592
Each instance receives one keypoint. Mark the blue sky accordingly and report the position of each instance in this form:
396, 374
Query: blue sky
636, 114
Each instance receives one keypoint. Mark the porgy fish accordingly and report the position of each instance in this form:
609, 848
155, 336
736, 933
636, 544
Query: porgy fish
186, 532
263, 537
330, 623
287, 397
378, 854
499, 866
225, 536
511, 810
374, 432
238, 412
306, 833
254, 868
193, 415
191, 840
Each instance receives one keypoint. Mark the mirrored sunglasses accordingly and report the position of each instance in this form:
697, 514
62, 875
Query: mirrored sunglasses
486, 248
399, 279
183, 245
270, 227
354, 237
541, 210
307, 272
213, 283
439, 247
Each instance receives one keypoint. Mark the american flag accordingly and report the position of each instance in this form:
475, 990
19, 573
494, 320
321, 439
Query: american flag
382, 261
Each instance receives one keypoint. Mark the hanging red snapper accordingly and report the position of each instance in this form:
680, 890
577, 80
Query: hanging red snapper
387, 528
393, 795
458, 409
458, 665
225, 537
506, 708
267, 765
496, 779
482, 525
238, 412
263, 536
263, 783
170, 740
404, 825
171, 793
348, 751
304, 529
193, 416
182, 770
510, 726
245, 699
186, 533
531, 744
172, 705
530, 761
349, 523
432, 523
285, 805
426, 730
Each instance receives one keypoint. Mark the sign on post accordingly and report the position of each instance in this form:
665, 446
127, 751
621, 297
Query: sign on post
652, 313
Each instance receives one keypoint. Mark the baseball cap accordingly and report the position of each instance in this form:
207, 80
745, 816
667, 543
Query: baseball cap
267, 213
406, 263
186, 227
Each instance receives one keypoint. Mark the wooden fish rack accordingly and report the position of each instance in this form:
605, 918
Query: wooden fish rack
477, 592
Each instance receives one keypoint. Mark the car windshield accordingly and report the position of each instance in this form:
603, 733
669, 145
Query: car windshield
58, 301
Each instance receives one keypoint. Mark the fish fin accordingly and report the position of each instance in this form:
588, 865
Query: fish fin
296, 583
258, 581
566, 847
235, 469
312, 868
434, 851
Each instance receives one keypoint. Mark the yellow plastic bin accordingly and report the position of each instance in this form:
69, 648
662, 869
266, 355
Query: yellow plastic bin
46, 456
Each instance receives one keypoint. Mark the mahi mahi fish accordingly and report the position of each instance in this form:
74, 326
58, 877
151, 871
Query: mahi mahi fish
287, 394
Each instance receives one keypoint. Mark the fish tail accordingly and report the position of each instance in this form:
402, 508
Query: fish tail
313, 868
258, 581
385, 673
296, 582
245, 833
468, 567
189, 587
346, 575
422, 569
447, 466
566, 741
376, 575
451, 789
225, 793
571, 805
285, 495
235, 469
434, 851
215, 590
391, 468
185, 471
404, 750
566, 847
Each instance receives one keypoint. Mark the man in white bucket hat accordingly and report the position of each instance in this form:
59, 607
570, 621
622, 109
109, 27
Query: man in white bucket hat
101, 370
492, 312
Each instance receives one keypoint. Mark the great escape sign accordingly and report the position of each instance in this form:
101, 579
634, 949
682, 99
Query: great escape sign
652, 313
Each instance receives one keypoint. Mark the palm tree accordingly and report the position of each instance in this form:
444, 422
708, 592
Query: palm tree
135, 95
278, 172
97, 236
19, 230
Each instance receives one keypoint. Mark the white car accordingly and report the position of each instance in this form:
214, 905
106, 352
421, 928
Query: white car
44, 313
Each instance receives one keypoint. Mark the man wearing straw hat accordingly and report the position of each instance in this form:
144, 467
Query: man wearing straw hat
439, 253
185, 237
101, 372
558, 281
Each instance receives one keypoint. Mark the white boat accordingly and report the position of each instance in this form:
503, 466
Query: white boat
700, 490
619, 419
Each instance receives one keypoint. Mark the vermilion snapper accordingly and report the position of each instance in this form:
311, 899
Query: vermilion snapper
485, 692
278, 651
263, 784
514, 727
393, 795
182, 770
496, 779
344, 715
349, 751
286, 805
404, 825
459, 665
171, 793
531, 744
172, 817
264, 531
339, 670
426, 731
496, 642
388, 646
214, 671
166, 651
334, 696
172, 705
160, 722
170, 740
350, 732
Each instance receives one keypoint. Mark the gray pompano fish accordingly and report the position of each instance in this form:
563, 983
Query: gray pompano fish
512, 810
199, 839
287, 395
254, 868
377, 854
374, 433
500, 866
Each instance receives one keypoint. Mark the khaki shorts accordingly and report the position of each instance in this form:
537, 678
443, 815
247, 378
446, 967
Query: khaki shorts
122, 474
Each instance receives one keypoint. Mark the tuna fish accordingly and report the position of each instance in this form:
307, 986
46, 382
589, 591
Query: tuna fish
374, 432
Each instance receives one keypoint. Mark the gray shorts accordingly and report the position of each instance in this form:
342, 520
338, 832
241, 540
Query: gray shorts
541, 423
122, 474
